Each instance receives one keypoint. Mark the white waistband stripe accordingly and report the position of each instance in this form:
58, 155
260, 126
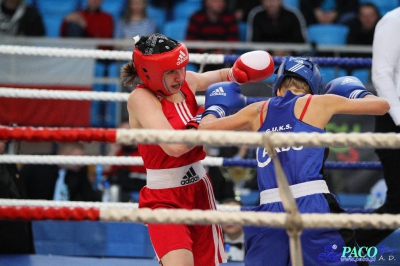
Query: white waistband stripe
298, 190
175, 177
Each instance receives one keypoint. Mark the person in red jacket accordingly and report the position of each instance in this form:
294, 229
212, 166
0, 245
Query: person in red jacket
90, 22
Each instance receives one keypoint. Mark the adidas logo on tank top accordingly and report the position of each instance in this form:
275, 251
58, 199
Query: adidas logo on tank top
190, 177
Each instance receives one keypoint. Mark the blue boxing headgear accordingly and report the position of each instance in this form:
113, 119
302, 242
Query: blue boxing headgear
302, 68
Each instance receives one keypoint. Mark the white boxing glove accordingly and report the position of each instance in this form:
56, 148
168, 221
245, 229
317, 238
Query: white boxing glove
251, 67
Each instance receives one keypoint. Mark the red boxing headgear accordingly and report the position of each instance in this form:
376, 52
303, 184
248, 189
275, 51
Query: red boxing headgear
155, 54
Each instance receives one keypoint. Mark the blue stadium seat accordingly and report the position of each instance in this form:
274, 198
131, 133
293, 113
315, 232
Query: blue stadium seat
52, 24
158, 14
176, 29
49, 7
242, 31
328, 73
364, 75
184, 9
384, 6
53, 14
292, 3
327, 34
114, 7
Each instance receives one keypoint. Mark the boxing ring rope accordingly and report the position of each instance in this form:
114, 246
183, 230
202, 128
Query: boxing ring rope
193, 58
32, 93
208, 137
44, 210
292, 221
137, 160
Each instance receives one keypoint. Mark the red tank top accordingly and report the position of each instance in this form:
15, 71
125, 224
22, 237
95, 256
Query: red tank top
178, 114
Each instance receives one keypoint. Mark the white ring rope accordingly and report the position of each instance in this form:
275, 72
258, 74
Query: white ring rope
224, 215
87, 204
63, 94
310, 221
257, 139
70, 95
94, 53
89, 160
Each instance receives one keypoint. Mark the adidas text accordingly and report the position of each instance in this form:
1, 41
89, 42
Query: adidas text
190, 180
190, 177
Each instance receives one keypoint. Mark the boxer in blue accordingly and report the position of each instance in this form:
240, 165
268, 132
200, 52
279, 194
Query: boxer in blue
297, 107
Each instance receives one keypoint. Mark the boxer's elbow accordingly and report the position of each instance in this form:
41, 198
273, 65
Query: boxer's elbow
384, 107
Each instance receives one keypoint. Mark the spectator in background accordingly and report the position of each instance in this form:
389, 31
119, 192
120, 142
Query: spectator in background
328, 11
234, 236
17, 18
273, 22
90, 22
361, 30
242, 8
362, 27
165, 4
135, 21
60, 182
128, 177
15, 236
346, 9
213, 23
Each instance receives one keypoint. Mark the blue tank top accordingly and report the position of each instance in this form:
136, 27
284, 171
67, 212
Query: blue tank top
300, 164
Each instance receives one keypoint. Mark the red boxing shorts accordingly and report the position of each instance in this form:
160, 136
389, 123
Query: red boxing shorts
186, 187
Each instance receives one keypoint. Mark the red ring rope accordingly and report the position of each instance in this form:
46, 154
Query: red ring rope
49, 213
57, 134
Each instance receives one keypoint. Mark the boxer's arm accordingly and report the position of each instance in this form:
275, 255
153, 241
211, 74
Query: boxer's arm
223, 98
251, 67
195, 121
145, 112
347, 86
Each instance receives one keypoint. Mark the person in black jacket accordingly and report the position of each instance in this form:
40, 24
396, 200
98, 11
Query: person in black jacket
328, 11
41, 180
17, 18
362, 28
15, 236
273, 22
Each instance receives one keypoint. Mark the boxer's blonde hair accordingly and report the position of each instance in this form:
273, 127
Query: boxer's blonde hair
300, 85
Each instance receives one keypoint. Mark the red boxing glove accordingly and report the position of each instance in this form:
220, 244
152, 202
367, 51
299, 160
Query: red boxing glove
251, 67
195, 121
